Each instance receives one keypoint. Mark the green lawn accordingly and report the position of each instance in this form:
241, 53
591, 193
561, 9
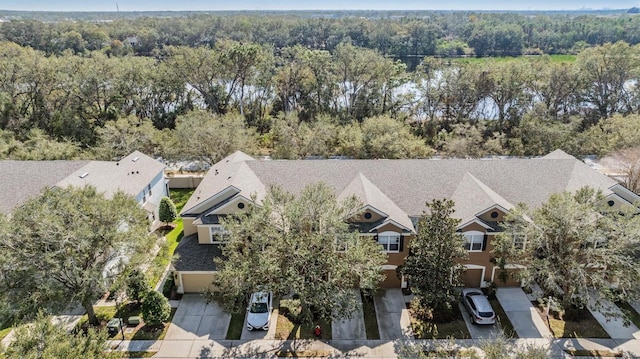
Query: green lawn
505, 323
288, 329
370, 319
235, 326
173, 237
456, 328
5, 331
587, 327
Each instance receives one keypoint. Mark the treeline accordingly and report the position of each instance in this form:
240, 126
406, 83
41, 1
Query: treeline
408, 37
299, 102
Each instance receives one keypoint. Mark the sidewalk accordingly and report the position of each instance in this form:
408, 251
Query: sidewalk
201, 349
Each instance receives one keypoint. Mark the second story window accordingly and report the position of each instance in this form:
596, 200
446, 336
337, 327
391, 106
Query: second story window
474, 241
390, 241
519, 241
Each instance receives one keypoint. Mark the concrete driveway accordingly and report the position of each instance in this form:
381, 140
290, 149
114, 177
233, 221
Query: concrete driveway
392, 314
195, 319
479, 331
613, 326
352, 328
523, 316
262, 334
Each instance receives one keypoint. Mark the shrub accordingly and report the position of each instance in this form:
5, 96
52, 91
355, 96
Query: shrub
155, 308
167, 211
137, 286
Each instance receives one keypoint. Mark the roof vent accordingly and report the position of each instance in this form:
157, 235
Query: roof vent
135, 159
84, 175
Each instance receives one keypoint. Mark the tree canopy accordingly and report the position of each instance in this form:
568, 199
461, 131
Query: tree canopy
69, 245
302, 245
573, 244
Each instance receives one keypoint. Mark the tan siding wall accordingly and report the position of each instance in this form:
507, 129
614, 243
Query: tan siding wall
512, 278
487, 216
204, 235
189, 228
196, 283
232, 208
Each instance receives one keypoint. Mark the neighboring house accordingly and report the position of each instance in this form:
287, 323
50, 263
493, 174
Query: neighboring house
394, 194
136, 174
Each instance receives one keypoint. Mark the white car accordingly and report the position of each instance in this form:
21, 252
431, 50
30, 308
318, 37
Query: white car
259, 310
478, 306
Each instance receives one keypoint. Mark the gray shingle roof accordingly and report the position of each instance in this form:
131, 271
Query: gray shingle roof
409, 184
22, 180
194, 256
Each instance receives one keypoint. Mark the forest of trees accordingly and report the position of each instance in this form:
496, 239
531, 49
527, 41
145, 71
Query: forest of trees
199, 87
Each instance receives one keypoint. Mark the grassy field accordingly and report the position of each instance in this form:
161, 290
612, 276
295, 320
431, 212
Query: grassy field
588, 327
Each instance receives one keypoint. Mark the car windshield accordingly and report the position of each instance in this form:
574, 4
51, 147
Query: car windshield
258, 308
485, 314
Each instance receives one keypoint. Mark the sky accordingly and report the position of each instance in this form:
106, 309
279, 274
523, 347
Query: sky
204, 5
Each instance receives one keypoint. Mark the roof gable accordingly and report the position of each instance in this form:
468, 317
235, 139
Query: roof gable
472, 197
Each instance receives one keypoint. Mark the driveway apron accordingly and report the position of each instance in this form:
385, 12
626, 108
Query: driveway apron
392, 314
479, 331
523, 316
197, 319
350, 328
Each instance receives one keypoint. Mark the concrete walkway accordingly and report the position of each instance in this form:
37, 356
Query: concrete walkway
350, 328
523, 316
392, 314
613, 326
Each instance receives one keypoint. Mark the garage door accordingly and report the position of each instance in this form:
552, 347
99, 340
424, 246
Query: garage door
196, 283
391, 280
472, 277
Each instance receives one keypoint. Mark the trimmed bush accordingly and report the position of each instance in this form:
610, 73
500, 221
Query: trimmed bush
155, 308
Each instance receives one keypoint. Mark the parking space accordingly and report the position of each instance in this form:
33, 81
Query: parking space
479, 331
393, 317
523, 316
197, 319
350, 328
262, 334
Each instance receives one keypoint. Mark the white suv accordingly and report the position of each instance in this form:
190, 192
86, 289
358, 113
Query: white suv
259, 310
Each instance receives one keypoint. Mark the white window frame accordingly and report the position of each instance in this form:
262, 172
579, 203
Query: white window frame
388, 239
519, 238
473, 238
340, 245
218, 230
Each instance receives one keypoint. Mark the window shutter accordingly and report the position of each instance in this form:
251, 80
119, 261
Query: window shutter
401, 243
484, 242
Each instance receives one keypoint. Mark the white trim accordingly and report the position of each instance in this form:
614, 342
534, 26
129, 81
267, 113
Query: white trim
206, 204
475, 266
624, 189
506, 266
211, 227
374, 209
233, 200
474, 234
389, 267
389, 235
495, 206
478, 221
390, 221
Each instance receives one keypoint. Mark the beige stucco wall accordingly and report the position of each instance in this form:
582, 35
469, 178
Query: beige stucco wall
189, 228
182, 181
204, 235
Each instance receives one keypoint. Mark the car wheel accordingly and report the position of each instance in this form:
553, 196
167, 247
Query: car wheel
473, 320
